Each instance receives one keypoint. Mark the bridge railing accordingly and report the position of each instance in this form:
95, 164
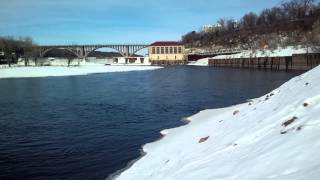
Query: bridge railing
91, 45
83, 50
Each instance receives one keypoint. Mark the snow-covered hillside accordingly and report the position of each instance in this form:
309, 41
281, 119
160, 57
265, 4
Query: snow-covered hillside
276, 136
45, 71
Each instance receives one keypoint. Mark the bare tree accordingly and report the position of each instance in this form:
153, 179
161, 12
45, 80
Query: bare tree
222, 23
70, 59
297, 9
16, 48
231, 25
312, 38
30, 51
249, 20
316, 34
290, 21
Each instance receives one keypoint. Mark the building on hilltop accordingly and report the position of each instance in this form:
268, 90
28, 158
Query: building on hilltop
167, 53
210, 28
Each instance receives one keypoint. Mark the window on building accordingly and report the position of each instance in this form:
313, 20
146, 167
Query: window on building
162, 50
179, 50
153, 50
158, 50
166, 50
175, 50
171, 50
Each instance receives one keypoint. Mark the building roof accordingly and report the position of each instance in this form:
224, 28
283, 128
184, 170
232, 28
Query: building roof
166, 43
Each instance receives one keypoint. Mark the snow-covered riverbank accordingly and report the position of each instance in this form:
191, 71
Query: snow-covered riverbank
275, 136
200, 62
280, 52
46, 71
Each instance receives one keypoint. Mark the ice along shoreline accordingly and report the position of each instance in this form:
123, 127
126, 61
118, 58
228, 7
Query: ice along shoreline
274, 136
57, 71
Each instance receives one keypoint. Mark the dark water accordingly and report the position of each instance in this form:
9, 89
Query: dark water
87, 127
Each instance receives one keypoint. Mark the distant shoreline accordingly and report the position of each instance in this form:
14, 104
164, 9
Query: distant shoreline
56, 71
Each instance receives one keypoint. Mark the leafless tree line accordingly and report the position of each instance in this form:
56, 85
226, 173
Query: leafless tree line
293, 22
13, 48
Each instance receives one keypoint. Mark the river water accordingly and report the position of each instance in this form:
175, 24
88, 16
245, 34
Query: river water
87, 127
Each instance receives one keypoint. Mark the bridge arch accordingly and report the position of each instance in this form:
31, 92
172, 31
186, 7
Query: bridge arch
82, 51
124, 50
142, 48
57, 48
88, 52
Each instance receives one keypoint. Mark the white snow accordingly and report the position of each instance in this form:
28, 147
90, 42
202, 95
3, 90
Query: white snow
280, 52
46, 71
272, 137
200, 62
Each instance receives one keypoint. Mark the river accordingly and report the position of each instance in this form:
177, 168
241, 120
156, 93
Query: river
88, 127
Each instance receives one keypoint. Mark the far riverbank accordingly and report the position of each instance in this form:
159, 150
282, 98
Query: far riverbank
48, 71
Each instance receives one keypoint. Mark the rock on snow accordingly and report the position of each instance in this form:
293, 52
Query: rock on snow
276, 136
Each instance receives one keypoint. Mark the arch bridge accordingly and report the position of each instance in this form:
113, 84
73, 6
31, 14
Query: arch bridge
82, 51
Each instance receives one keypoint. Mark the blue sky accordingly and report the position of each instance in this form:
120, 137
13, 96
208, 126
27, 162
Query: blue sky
116, 21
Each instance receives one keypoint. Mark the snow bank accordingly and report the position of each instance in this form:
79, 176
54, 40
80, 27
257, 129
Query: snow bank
45, 71
200, 62
280, 52
272, 137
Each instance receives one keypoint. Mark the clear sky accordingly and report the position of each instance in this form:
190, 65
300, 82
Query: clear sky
116, 21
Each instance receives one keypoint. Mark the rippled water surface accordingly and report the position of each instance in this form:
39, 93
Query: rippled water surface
87, 127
